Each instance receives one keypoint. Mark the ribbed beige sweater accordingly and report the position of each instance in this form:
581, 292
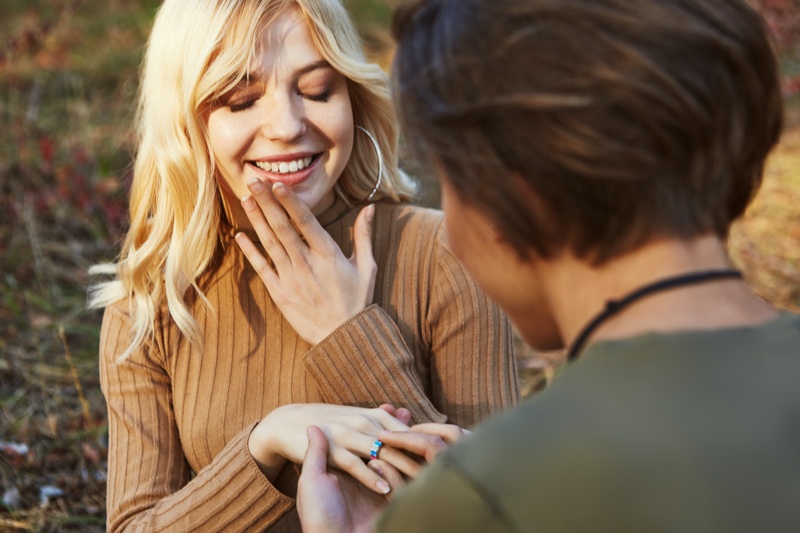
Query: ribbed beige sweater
179, 420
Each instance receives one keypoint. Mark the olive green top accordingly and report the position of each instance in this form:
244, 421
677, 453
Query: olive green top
697, 431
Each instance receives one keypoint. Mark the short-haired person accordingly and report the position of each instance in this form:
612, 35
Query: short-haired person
593, 155
262, 118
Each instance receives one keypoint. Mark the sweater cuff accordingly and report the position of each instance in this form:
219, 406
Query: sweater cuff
366, 362
232, 494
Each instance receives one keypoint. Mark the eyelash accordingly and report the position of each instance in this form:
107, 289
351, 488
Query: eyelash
322, 97
236, 108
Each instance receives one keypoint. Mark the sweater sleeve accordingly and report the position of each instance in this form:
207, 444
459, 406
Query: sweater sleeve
149, 487
469, 369
366, 362
473, 366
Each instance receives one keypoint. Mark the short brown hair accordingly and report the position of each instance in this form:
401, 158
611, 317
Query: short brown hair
591, 125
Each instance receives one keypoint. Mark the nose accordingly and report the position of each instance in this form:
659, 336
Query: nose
284, 120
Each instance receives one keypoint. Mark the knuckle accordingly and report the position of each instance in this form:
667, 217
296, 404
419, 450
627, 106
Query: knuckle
304, 218
262, 269
271, 244
283, 227
328, 249
363, 423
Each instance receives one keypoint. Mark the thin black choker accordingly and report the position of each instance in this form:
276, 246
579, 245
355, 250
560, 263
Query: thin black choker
615, 306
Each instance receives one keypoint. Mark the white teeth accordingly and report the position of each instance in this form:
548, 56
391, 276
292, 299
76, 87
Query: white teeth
284, 167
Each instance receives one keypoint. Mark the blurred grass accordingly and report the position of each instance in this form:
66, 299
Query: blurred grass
67, 90
68, 71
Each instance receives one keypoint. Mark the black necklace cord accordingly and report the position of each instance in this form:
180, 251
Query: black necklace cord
615, 306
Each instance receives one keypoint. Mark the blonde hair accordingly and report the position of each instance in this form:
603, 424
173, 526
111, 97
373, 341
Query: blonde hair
197, 51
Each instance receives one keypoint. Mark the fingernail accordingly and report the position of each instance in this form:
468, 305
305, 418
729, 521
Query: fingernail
370, 212
279, 189
248, 203
255, 185
383, 487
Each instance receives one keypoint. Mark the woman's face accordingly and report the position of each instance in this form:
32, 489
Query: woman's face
291, 122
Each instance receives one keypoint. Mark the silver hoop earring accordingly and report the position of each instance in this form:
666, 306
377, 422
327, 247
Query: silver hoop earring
380, 163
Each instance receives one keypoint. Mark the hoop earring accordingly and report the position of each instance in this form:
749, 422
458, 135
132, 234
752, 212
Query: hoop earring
380, 163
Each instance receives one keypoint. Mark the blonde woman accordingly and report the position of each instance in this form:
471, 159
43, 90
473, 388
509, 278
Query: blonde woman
261, 124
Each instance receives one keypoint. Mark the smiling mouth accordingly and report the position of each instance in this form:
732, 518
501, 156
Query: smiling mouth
286, 167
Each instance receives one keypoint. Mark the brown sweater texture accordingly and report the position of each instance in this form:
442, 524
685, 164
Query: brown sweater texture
179, 419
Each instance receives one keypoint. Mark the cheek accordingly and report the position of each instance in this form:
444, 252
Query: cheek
337, 125
226, 135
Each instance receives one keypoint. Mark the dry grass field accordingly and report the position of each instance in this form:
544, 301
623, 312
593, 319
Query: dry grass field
67, 87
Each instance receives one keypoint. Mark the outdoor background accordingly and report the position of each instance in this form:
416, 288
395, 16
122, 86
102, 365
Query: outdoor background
68, 77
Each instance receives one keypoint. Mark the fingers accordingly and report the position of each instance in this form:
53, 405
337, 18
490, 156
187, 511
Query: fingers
259, 262
389, 473
304, 220
362, 244
316, 458
254, 209
403, 415
350, 459
449, 433
387, 421
400, 461
400, 413
421, 444
273, 225
355, 466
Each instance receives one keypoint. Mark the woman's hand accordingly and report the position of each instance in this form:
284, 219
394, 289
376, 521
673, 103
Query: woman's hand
423, 440
350, 431
313, 284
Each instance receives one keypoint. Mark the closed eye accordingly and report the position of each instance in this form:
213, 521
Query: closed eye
316, 97
241, 106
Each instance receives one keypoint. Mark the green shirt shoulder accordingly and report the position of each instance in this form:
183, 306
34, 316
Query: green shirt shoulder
697, 431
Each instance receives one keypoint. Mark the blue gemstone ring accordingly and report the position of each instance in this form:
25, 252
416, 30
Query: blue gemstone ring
376, 447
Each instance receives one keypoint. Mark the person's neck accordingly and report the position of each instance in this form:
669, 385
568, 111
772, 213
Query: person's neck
577, 292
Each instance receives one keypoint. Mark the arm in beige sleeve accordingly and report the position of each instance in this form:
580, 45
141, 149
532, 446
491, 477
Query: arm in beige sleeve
367, 361
149, 487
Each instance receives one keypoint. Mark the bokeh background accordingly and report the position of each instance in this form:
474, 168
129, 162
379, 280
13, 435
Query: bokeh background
68, 80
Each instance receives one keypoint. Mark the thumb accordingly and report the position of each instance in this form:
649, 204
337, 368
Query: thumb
316, 459
362, 241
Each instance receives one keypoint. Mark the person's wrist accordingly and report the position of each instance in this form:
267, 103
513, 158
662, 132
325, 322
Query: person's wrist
262, 449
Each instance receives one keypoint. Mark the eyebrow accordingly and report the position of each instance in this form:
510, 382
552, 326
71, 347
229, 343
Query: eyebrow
313, 66
255, 77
